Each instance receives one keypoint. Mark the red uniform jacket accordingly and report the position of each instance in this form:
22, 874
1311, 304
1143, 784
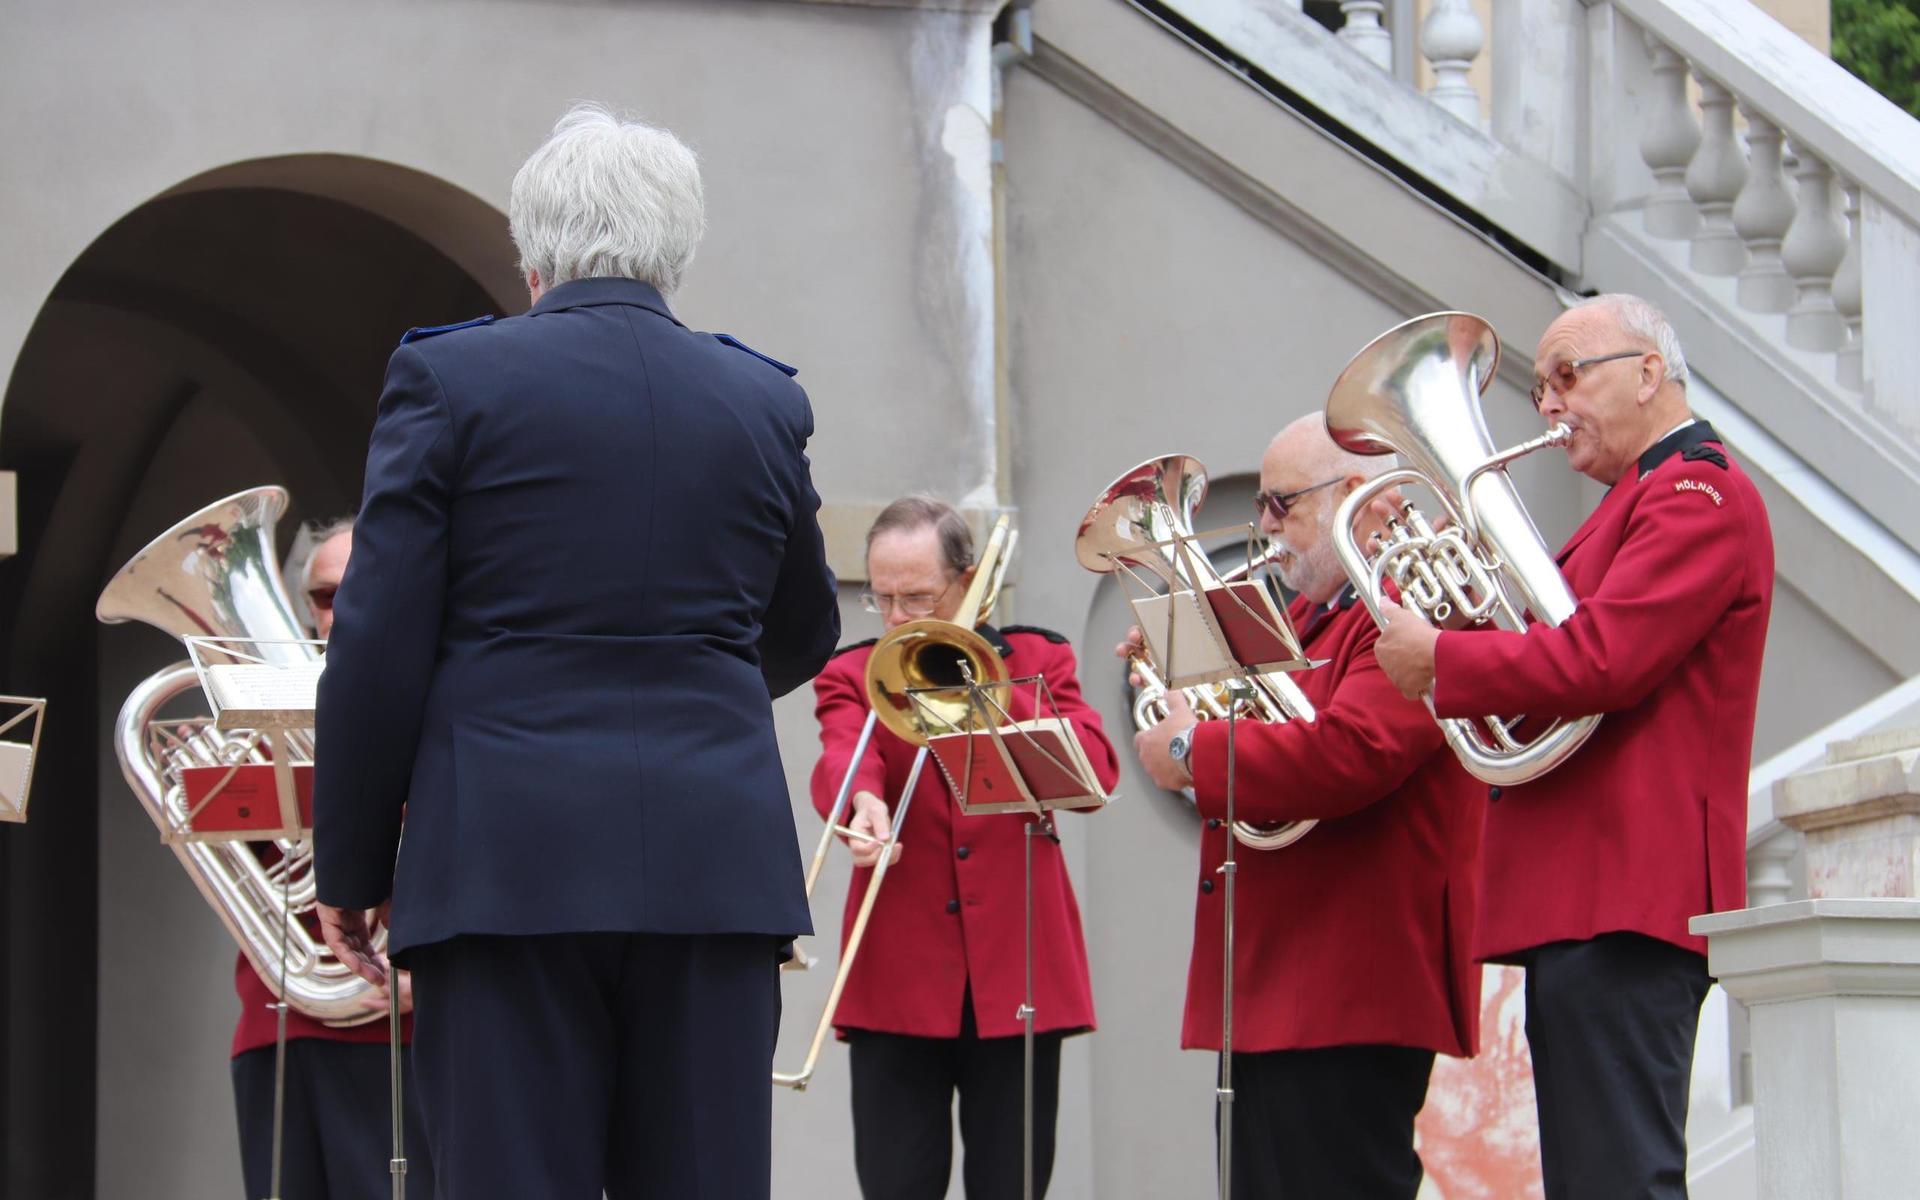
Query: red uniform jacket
951, 913
1359, 933
1646, 825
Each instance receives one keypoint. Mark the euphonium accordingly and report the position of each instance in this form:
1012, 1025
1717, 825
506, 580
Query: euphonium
906, 669
1415, 391
215, 574
1150, 505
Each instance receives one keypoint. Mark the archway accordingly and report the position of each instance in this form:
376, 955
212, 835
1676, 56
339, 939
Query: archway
230, 332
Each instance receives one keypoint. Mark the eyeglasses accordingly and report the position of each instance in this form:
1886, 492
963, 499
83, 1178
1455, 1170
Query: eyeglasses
914, 604
322, 597
1277, 504
1562, 376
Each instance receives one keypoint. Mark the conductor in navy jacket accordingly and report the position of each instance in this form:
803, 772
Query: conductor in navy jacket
587, 559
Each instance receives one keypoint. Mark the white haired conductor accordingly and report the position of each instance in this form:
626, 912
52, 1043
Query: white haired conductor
606, 198
554, 651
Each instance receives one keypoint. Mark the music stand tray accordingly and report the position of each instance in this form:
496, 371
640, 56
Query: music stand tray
252, 688
18, 752
995, 764
1222, 629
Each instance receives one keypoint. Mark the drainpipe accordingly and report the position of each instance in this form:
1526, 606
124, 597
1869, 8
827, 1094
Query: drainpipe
1007, 54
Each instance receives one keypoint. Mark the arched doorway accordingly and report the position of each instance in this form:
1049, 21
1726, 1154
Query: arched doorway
231, 332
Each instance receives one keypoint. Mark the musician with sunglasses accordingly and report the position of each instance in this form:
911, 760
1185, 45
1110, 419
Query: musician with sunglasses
1593, 870
931, 1005
1350, 945
336, 1133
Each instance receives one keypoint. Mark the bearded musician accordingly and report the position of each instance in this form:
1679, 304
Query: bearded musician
931, 1005
1351, 966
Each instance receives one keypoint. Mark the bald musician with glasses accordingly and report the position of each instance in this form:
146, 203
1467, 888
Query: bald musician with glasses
1350, 946
931, 1005
1592, 871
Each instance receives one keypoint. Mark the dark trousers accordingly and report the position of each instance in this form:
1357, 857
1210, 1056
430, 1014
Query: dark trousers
337, 1132
1328, 1124
903, 1112
1611, 1024
556, 1065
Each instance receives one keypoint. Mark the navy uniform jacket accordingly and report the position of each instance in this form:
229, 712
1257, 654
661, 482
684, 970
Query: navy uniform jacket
587, 558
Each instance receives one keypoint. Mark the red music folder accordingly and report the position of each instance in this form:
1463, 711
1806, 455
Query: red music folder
1032, 763
243, 808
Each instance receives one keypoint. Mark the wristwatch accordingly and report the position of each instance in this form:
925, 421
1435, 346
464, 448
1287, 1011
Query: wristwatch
1179, 746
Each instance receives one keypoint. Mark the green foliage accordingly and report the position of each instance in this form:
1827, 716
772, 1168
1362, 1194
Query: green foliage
1879, 41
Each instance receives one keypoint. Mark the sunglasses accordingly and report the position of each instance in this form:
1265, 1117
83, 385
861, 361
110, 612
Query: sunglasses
1562, 376
322, 597
1277, 504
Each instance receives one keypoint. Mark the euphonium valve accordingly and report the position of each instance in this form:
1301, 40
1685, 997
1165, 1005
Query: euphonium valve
1415, 391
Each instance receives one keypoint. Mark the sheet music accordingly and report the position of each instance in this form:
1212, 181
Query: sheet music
257, 687
16, 761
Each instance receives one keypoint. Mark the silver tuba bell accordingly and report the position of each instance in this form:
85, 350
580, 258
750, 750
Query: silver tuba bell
1415, 391
215, 574
1149, 505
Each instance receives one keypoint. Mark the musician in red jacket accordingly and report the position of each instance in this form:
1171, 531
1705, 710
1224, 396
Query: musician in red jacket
1592, 871
932, 1004
1350, 946
336, 1138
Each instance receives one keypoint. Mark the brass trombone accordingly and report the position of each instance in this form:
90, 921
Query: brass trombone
909, 667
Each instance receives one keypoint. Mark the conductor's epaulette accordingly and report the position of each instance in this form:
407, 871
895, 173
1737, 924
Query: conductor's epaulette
1054, 636
427, 331
852, 646
727, 339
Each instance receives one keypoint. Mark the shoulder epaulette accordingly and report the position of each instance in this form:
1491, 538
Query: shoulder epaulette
851, 646
1054, 636
727, 339
1705, 453
427, 331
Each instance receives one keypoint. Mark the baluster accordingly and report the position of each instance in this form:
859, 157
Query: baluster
1714, 180
1364, 32
1451, 39
1811, 252
1763, 214
1667, 146
1848, 298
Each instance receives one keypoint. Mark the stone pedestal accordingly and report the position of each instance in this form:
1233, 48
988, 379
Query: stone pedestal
1833, 991
1832, 984
1860, 813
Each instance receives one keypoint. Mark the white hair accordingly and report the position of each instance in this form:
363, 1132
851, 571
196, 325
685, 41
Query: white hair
1638, 318
606, 197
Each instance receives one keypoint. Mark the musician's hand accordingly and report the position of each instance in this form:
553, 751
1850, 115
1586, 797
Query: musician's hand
1151, 745
349, 934
1405, 650
376, 1000
870, 817
1134, 646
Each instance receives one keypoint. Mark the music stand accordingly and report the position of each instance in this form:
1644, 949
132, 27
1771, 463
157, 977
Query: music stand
251, 688
17, 756
1218, 630
993, 765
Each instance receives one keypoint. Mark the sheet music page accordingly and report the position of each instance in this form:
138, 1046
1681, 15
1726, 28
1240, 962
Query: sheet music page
15, 759
259, 687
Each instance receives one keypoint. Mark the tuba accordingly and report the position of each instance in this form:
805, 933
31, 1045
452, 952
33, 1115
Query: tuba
1415, 391
905, 672
1152, 504
215, 574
